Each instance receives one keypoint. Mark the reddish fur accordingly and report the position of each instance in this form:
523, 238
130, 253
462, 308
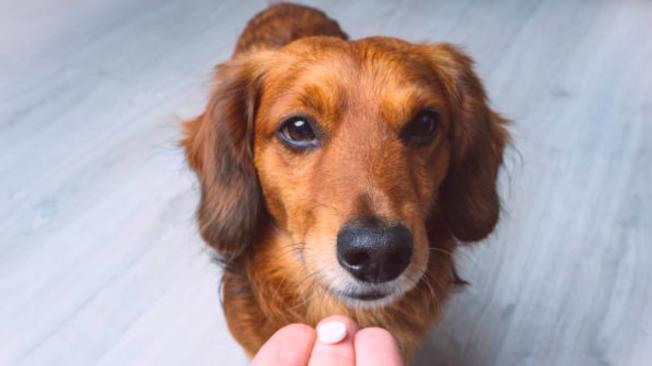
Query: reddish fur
258, 198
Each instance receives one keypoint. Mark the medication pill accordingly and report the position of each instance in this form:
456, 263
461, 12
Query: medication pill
331, 332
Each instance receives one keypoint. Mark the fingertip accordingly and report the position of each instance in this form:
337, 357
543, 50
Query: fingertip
332, 347
298, 331
290, 345
376, 346
375, 334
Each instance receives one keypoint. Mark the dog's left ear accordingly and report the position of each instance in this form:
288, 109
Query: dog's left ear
468, 196
219, 148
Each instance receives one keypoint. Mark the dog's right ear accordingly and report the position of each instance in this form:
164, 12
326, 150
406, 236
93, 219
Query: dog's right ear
219, 148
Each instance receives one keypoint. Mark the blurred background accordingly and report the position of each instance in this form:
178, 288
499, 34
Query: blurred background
100, 260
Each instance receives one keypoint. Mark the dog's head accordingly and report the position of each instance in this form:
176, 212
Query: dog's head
354, 151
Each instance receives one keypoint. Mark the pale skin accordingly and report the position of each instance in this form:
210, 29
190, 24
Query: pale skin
298, 345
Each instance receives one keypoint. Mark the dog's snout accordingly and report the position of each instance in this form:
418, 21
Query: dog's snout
375, 254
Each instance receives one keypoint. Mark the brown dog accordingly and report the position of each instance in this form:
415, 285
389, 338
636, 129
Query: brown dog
338, 177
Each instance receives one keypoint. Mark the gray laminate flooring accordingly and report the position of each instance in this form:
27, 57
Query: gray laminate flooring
100, 262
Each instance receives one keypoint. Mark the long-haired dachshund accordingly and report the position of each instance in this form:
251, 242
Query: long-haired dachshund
338, 176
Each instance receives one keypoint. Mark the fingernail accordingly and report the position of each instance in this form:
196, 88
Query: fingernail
331, 332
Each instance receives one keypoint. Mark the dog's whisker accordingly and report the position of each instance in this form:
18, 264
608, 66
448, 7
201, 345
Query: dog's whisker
298, 285
324, 293
432, 290
440, 282
278, 287
308, 277
441, 250
285, 278
275, 255
426, 280
310, 298
453, 253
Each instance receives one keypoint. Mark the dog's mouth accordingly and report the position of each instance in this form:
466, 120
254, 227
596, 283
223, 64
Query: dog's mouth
365, 299
368, 296
364, 296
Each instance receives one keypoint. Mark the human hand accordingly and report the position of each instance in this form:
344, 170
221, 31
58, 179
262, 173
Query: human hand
298, 345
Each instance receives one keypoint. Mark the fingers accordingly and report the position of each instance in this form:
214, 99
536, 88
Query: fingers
297, 345
340, 353
290, 346
376, 346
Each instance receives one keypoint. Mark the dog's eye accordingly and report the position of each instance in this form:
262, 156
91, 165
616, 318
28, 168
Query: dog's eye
422, 128
297, 132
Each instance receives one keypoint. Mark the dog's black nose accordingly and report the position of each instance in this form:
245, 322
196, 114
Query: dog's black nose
375, 254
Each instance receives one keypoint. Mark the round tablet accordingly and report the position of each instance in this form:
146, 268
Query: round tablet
331, 332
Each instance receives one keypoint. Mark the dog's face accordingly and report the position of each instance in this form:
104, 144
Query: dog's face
354, 151
351, 147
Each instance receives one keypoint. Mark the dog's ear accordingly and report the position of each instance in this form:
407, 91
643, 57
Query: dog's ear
219, 148
468, 195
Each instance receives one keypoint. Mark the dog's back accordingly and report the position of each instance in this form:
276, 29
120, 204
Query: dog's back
283, 23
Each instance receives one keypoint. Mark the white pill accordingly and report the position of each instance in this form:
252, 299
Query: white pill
331, 332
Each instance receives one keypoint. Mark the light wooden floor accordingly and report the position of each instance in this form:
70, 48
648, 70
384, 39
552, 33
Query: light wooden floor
100, 263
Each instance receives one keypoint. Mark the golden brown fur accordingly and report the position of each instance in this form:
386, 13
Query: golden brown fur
273, 214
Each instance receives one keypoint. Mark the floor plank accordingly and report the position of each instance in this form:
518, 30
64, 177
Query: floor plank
100, 262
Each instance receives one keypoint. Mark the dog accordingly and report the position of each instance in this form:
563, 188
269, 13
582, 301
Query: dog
338, 176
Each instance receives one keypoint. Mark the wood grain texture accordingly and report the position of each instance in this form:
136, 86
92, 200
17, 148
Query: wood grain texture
100, 262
